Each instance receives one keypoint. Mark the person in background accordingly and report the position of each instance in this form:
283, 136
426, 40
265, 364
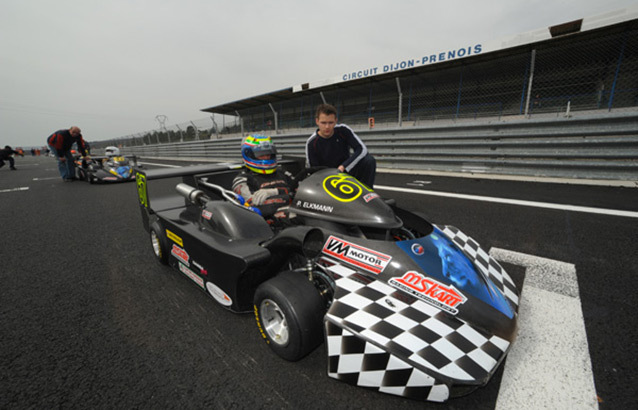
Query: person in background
60, 143
337, 146
261, 183
6, 154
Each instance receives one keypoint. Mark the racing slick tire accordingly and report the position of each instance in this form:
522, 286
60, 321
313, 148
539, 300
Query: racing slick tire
158, 242
289, 313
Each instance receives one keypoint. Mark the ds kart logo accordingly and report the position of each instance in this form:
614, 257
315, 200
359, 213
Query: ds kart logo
430, 291
364, 258
343, 187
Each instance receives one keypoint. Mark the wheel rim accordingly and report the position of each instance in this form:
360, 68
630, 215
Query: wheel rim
274, 322
156, 244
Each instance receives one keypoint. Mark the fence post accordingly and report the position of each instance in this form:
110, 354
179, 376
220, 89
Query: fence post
400, 102
274, 113
458, 98
241, 123
196, 130
181, 135
212, 117
531, 80
613, 86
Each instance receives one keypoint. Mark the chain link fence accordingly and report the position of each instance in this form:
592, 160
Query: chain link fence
594, 70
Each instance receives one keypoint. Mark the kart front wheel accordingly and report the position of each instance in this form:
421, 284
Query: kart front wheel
289, 313
158, 241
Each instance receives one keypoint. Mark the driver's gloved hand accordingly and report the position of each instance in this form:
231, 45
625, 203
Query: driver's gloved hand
259, 197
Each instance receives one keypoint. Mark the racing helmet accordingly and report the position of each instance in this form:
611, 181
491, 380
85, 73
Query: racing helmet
112, 151
259, 154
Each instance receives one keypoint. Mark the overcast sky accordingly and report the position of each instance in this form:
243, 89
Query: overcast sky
111, 67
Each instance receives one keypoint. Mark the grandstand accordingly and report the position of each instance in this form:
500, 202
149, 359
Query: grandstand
587, 64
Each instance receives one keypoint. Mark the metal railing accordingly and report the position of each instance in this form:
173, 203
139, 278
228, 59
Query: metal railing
589, 146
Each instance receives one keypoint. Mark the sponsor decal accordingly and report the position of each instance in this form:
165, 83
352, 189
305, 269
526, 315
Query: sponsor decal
170, 235
218, 294
207, 214
180, 254
201, 268
417, 249
353, 254
109, 179
369, 197
184, 269
344, 187
444, 297
140, 180
314, 207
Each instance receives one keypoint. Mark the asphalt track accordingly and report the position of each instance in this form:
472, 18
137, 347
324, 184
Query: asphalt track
88, 319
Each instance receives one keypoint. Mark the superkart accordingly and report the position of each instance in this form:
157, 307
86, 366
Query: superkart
404, 307
106, 169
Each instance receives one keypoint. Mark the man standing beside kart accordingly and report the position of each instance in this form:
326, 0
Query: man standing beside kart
60, 143
331, 144
6, 154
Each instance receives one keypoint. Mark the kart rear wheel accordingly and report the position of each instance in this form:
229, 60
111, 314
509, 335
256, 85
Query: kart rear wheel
158, 241
289, 313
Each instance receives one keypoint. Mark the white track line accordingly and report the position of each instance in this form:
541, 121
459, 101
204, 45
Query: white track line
22, 188
549, 366
574, 208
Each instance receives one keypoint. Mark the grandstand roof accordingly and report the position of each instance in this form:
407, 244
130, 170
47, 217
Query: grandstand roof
438, 58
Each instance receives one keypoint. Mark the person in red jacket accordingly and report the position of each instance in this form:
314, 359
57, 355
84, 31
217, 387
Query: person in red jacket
60, 144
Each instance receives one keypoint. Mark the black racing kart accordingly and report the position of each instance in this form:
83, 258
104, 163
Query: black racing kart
106, 169
404, 307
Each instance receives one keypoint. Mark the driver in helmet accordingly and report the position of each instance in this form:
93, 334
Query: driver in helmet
261, 183
112, 152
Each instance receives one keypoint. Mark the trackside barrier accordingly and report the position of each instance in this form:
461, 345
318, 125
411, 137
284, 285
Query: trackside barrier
591, 147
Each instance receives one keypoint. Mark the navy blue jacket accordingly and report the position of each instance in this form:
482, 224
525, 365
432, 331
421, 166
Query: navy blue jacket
336, 150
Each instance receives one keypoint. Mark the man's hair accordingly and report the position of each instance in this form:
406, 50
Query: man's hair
326, 109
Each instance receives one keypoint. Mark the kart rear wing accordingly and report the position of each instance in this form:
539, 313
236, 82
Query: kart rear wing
188, 174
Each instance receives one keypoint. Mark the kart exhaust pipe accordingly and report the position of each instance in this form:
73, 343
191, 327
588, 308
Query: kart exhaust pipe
193, 195
303, 239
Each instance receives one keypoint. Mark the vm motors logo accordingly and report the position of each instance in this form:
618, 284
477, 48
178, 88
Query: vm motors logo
356, 255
